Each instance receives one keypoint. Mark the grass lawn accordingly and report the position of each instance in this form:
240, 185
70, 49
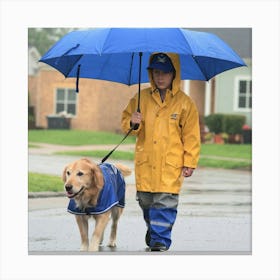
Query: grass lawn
242, 151
44, 183
76, 137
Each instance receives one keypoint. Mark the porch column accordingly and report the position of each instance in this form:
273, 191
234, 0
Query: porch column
186, 87
207, 106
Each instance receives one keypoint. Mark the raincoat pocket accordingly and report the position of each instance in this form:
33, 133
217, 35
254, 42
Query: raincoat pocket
176, 163
142, 170
172, 175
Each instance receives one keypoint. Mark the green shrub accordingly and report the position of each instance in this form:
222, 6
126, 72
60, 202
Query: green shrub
233, 124
215, 123
230, 124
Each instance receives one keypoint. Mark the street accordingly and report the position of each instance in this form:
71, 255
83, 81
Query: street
214, 215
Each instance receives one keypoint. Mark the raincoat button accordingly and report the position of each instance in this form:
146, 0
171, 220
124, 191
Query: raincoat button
155, 142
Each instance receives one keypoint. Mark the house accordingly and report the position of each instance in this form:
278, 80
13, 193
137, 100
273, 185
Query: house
229, 92
99, 104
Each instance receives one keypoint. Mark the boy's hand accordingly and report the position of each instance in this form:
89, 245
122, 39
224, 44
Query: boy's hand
187, 171
136, 118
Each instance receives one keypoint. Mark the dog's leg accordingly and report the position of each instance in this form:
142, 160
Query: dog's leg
116, 213
82, 222
101, 239
100, 225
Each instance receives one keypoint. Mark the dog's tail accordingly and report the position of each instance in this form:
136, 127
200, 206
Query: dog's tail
126, 171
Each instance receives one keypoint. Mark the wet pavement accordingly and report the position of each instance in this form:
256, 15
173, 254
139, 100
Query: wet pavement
214, 215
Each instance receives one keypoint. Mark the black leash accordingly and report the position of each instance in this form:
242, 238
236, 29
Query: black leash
106, 157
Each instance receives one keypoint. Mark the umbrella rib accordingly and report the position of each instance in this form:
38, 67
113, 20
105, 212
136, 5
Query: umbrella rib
130, 70
70, 69
105, 41
205, 76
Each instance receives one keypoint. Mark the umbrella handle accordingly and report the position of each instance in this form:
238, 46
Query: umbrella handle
78, 77
136, 126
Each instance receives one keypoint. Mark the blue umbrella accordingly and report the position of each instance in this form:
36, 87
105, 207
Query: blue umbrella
122, 54
112, 53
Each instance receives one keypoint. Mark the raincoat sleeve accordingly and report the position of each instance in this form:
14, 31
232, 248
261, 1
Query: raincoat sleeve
191, 136
126, 117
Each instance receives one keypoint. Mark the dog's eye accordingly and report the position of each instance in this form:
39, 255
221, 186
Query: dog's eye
80, 173
68, 173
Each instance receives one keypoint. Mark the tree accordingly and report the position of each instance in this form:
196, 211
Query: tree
44, 38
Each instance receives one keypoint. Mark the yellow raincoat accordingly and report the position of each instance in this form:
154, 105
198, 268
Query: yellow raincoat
168, 137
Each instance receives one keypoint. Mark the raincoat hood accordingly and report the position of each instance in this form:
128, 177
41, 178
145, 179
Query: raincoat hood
176, 81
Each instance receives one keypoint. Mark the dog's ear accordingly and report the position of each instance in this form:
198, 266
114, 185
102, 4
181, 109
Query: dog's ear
64, 174
97, 176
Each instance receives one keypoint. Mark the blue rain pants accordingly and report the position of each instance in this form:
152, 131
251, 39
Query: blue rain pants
159, 211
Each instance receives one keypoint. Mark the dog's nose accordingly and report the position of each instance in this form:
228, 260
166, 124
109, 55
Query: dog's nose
68, 188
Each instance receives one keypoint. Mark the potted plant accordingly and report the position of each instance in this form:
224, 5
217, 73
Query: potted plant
247, 134
233, 127
224, 137
215, 124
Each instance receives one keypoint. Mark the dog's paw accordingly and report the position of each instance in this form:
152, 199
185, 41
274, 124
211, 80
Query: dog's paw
84, 248
93, 247
112, 244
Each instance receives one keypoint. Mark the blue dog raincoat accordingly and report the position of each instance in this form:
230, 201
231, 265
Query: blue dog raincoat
113, 193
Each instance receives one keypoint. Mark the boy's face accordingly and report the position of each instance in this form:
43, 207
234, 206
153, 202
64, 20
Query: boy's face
162, 79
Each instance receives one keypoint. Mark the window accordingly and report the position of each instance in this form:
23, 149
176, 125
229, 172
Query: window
66, 101
243, 94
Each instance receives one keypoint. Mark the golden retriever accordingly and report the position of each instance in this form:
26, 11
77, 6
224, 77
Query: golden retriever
87, 184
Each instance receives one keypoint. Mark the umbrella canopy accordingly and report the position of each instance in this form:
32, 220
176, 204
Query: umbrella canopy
112, 54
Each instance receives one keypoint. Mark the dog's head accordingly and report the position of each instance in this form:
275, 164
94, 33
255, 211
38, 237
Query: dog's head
82, 179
